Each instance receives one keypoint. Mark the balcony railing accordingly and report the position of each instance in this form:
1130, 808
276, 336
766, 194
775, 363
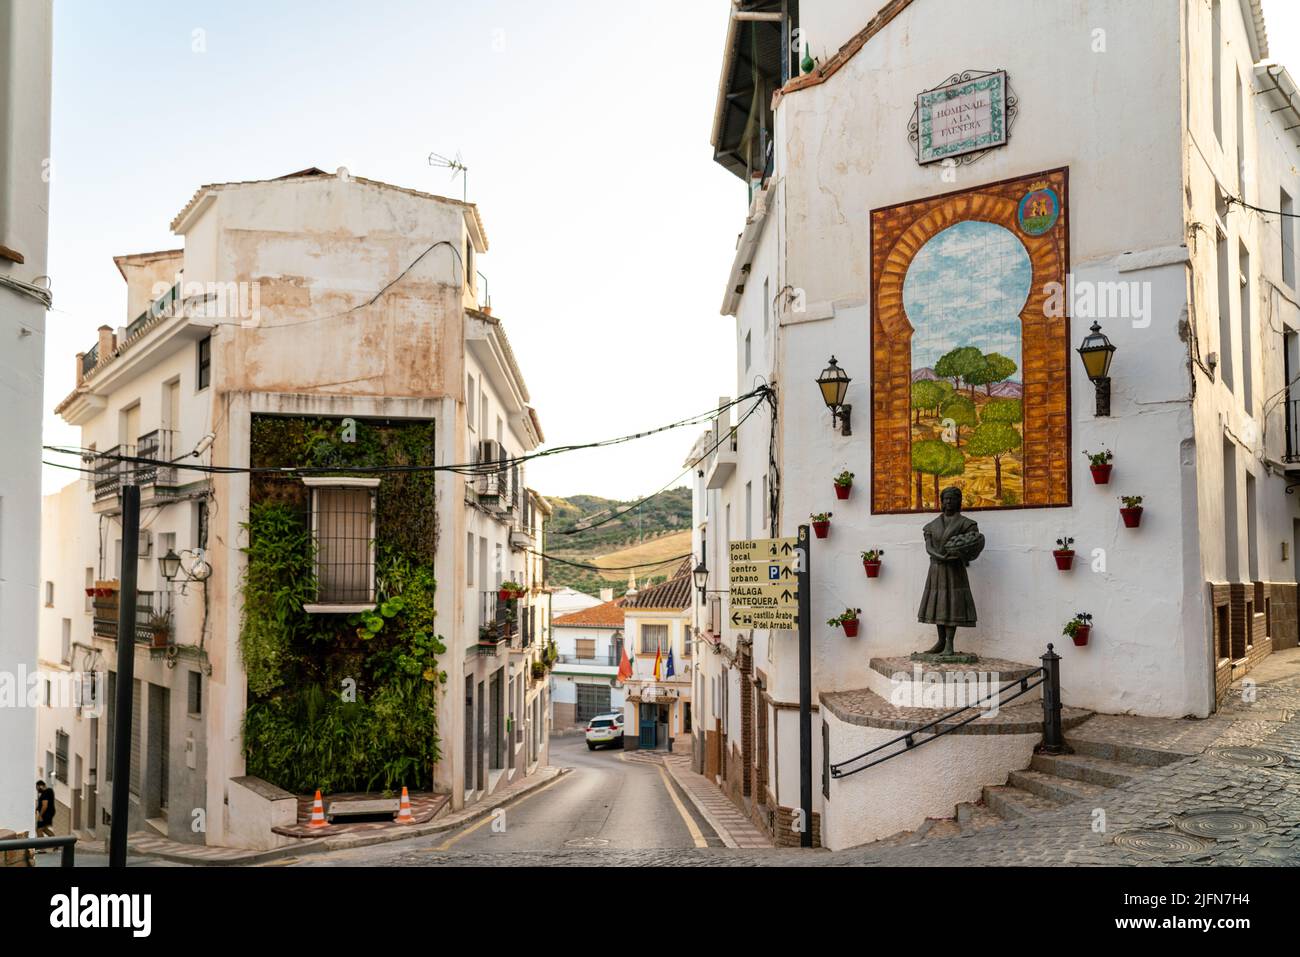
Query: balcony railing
498, 621
152, 609
157, 445
607, 660
1292, 431
110, 471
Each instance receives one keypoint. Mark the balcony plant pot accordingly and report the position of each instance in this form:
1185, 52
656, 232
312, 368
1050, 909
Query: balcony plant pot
842, 491
872, 568
1132, 516
1100, 473
850, 627
1080, 636
504, 594
1064, 558
91, 592
821, 529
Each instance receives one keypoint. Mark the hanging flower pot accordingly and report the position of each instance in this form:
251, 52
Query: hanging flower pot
843, 485
848, 621
91, 592
1132, 510
1099, 465
1078, 628
1063, 553
821, 523
871, 561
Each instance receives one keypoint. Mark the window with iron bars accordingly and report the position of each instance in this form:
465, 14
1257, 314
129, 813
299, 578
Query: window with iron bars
343, 533
61, 757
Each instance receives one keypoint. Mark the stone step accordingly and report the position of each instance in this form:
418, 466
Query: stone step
1127, 753
1054, 788
976, 817
1012, 802
941, 827
1082, 767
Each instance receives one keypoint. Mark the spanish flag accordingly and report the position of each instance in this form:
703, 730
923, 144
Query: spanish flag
659, 664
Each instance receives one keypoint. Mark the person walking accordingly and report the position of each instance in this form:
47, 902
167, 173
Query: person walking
44, 810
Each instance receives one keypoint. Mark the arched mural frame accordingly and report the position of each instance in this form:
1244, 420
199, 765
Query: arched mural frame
897, 234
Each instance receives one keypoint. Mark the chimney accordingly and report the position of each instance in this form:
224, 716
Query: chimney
607, 594
107, 342
80, 374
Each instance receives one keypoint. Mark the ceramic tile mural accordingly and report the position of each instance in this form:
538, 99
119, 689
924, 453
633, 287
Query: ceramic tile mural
970, 374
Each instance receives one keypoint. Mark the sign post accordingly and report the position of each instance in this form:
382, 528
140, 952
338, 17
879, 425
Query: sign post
805, 690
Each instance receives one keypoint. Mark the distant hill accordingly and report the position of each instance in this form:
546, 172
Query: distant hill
580, 530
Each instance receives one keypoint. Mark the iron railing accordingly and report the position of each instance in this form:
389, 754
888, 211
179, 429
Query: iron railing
150, 607
110, 471
68, 844
1048, 675
157, 445
90, 359
610, 660
1292, 431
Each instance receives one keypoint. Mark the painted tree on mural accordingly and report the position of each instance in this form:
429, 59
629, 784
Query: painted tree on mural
928, 395
958, 363
936, 458
958, 413
993, 368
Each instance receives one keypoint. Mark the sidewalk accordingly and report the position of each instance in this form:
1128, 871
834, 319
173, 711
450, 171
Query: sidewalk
732, 826
145, 844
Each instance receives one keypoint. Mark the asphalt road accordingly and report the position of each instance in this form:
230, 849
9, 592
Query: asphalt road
604, 804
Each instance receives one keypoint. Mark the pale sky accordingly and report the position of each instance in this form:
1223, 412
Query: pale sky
585, 125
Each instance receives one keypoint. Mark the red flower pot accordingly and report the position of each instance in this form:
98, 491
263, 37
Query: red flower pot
873, 568
1100, 474
850, 628
1064, 558
821, 529
842, 491
1132, 516
90, 592
1081, 634
504, 594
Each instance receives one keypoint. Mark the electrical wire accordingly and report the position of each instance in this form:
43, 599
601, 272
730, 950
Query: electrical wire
609, 568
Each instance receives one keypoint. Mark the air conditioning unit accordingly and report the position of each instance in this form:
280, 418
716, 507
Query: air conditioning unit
146, 544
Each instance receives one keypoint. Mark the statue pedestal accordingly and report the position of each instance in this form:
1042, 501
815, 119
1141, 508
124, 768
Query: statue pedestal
956, 658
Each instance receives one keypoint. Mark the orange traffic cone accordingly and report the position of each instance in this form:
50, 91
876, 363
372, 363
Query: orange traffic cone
318, 813
404, 809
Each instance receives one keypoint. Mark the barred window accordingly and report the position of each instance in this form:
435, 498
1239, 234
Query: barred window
61, 756
653, 638
343, 531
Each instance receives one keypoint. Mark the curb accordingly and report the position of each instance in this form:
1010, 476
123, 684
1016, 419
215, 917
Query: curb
319, 845
723, 834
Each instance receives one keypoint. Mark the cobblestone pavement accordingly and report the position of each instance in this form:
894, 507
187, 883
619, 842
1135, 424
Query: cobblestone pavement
1232, 799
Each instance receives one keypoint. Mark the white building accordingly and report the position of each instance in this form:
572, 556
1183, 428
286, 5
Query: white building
584, 683
26, 32
316, 320
1115, 152
658, 700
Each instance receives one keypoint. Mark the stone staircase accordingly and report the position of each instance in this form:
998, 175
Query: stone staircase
1089, 775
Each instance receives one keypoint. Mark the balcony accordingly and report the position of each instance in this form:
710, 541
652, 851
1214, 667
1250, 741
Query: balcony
722, 461
609, 660
498, 622
1292, 456
153, 618
110, 472
158, 445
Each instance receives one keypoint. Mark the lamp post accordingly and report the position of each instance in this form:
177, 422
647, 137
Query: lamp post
1096, 352
171, 565
834, 383
701, 576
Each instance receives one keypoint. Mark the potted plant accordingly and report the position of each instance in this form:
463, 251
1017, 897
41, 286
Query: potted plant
1099, 465
821, 523
843, 484
509, 591
539, 670
1063, 553
1078, 628
160, 628
871, 561
848, 621
1131, 510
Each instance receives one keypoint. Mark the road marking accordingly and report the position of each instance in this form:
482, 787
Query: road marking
487, 818
691, 826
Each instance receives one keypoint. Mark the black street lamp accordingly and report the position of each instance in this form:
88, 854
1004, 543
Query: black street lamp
701, 576
171, 565
1096, 353
834, 383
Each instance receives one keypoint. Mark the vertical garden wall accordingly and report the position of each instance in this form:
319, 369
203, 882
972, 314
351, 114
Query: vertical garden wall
341, 702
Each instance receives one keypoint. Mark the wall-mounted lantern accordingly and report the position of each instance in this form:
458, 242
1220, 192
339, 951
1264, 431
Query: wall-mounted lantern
172, 565
1096, 352
701, 576
834, 383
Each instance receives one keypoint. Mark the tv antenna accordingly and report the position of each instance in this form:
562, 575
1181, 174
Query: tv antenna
456, 166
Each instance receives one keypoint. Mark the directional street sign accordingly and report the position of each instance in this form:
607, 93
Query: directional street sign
741, 618
762, 549
765, 596
775, 618
758, 573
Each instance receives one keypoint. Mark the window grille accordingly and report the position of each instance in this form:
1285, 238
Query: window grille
343, 531
61, 757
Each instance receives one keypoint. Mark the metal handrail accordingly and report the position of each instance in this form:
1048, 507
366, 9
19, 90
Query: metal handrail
68, 843
837, 770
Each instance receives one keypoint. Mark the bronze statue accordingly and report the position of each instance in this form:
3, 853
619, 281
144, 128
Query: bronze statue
953, 541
